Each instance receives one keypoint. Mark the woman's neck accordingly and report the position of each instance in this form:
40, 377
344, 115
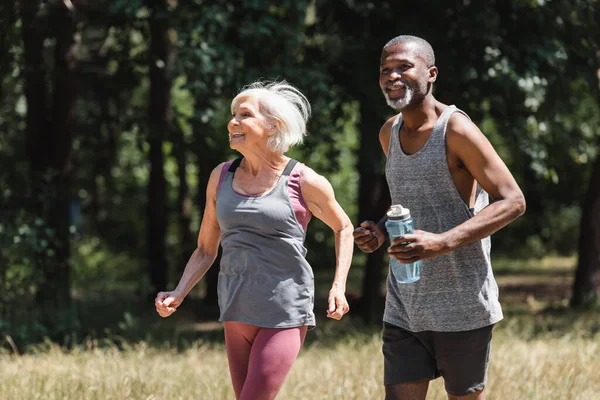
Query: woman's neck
260, 162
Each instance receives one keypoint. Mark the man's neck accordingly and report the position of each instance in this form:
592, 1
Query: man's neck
420, 114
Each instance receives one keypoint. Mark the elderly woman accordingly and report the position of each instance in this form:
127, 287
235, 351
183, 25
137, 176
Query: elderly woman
258, 207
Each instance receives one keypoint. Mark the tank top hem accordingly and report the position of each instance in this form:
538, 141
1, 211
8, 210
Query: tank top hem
493, 319
310, 323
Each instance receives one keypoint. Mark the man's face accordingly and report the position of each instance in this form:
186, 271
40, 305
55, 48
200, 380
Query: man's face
403, 76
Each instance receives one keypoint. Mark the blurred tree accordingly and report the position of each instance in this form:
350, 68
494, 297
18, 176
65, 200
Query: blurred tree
159, 125
50, 110
154, 85
583, 45
17, 272
8, 17
110, 164
587, 276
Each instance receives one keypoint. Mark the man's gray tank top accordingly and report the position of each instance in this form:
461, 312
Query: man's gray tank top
457, 291
265, 279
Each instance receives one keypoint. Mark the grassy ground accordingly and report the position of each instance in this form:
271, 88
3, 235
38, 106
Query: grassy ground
540, 351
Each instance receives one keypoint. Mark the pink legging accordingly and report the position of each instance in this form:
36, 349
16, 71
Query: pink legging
260, 358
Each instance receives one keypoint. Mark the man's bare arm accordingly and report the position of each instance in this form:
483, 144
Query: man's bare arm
466, 141
485, 165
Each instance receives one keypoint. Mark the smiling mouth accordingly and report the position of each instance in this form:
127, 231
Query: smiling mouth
391, 89
237, 135
396, 92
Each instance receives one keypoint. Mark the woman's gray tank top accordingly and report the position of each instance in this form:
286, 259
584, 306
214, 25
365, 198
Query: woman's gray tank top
457, 291
265, 279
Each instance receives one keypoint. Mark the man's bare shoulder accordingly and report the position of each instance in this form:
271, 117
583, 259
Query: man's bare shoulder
385, 133
387, 126
465, 139
460, 127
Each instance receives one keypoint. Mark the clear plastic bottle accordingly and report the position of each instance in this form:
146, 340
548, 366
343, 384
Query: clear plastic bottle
399, 222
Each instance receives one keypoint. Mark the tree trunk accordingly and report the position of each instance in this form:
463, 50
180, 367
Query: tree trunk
8, 12
157, 224
161, 62
36, 90
587, 277
184, 205
373, 199
48, 145
586, 287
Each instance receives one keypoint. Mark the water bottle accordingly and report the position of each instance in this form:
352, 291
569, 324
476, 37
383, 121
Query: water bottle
399, 222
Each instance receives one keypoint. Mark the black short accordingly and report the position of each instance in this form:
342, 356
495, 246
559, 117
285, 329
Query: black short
461, 358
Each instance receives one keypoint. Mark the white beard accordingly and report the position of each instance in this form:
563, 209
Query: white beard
400, 104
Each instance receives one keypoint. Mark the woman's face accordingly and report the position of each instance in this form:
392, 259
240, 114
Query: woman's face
248, 126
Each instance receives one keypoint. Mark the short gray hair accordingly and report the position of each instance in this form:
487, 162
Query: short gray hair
280, 101
424, 49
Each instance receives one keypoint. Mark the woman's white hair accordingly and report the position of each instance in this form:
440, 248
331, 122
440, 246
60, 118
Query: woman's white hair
284, 106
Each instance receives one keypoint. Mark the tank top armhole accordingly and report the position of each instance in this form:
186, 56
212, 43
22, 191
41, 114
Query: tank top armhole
298, 176
303, 214
454, 110
394, 132
224, 170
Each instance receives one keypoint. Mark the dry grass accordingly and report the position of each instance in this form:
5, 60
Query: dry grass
549, 368
537, 354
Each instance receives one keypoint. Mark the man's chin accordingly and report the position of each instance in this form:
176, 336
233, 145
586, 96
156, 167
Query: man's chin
396, 105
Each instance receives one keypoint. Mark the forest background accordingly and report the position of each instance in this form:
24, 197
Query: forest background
113, 114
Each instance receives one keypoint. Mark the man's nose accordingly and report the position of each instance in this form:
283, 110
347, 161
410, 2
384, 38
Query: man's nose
394, 75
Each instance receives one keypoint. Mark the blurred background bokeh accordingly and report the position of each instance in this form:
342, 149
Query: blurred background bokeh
113, 114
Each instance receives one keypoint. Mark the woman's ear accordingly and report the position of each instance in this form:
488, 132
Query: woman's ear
274, 126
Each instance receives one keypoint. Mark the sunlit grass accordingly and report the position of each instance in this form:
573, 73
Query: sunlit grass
550, 264
537, 353
545, 369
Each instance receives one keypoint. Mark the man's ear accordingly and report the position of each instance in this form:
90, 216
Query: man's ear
433, 73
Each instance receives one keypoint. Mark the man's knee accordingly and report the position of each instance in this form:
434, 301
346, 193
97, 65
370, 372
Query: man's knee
407, 391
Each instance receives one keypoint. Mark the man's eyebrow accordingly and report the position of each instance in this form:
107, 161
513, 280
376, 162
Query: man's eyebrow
424, 59
397, 60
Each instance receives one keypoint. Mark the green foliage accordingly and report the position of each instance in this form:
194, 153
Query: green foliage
526, 72
18, 278
533, 95
96, 269
18, 229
